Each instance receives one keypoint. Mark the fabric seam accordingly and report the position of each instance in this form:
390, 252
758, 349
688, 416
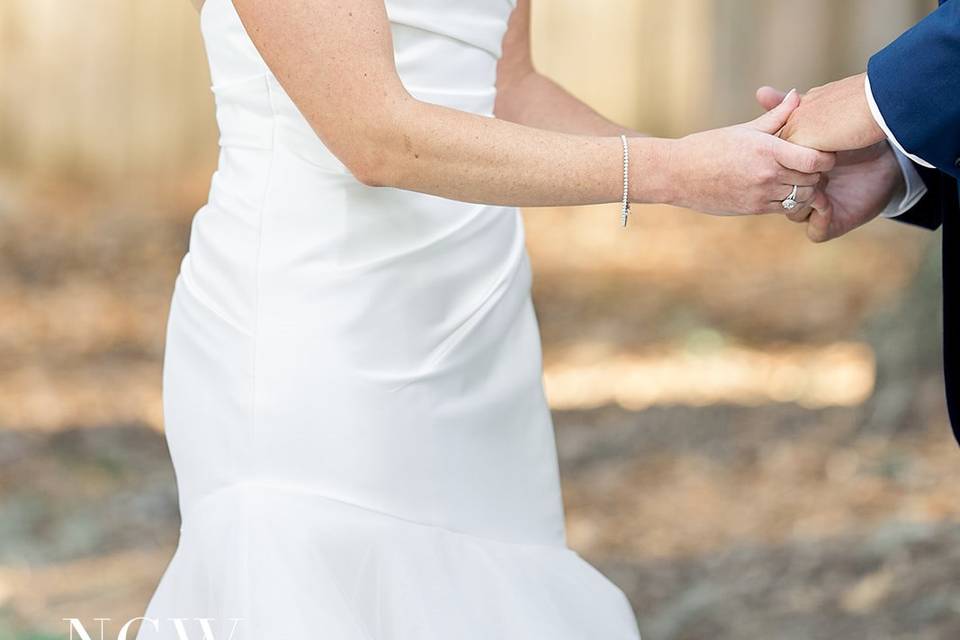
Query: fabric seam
255, 329
542, 547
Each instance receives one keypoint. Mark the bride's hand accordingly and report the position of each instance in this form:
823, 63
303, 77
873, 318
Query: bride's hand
746, 168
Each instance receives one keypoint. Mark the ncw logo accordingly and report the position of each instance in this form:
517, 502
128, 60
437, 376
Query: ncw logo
200, 628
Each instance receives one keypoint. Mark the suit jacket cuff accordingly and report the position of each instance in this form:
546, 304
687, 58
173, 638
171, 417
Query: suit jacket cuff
875, 110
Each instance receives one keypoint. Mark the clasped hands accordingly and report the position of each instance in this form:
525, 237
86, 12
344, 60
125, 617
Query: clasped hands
826, 142
866, 175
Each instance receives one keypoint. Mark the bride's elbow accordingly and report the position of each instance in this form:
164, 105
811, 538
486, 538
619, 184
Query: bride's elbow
381, 165
365, 156
378, 149
370, 171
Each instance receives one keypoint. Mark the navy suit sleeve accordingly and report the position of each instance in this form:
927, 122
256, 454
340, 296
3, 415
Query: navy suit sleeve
939, 201
916, 85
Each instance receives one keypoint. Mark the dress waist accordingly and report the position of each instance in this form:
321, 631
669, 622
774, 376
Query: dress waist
257, 113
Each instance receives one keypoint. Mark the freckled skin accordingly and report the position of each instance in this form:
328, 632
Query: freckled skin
544, 147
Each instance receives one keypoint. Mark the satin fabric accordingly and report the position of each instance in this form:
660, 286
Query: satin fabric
352, 383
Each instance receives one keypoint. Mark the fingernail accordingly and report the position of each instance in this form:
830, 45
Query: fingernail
789, 93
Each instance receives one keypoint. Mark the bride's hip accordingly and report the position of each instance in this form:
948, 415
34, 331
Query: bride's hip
462, 435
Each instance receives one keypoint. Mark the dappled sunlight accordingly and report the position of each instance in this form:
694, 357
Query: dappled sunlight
48, 399
840, 374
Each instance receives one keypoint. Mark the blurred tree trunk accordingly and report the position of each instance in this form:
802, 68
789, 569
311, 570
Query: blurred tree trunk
103, 89
797, 44
908, 346
673, 67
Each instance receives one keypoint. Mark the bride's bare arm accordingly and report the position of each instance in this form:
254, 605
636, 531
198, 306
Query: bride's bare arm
335, 59
525, 96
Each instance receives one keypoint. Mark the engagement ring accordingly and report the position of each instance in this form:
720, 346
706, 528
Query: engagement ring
791, 201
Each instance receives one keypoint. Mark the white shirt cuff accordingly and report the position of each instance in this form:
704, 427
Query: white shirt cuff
905, 199
883, 125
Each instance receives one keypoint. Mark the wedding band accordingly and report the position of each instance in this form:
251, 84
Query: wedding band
790, 203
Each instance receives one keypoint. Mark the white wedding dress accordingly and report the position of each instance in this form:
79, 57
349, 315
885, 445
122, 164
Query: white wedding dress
352, 384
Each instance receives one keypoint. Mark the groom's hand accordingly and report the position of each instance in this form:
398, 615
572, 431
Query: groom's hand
834, 117
854, 192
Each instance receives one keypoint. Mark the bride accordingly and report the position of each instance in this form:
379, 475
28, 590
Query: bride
352, 380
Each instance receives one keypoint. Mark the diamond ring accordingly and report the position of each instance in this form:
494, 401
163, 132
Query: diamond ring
790, 203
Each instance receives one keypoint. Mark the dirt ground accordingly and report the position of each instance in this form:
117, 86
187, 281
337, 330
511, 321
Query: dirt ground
746, 511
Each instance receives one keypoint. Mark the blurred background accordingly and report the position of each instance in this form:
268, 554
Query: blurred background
752, 429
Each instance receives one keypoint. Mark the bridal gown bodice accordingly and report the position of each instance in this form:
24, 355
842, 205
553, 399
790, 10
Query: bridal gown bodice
352, 381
